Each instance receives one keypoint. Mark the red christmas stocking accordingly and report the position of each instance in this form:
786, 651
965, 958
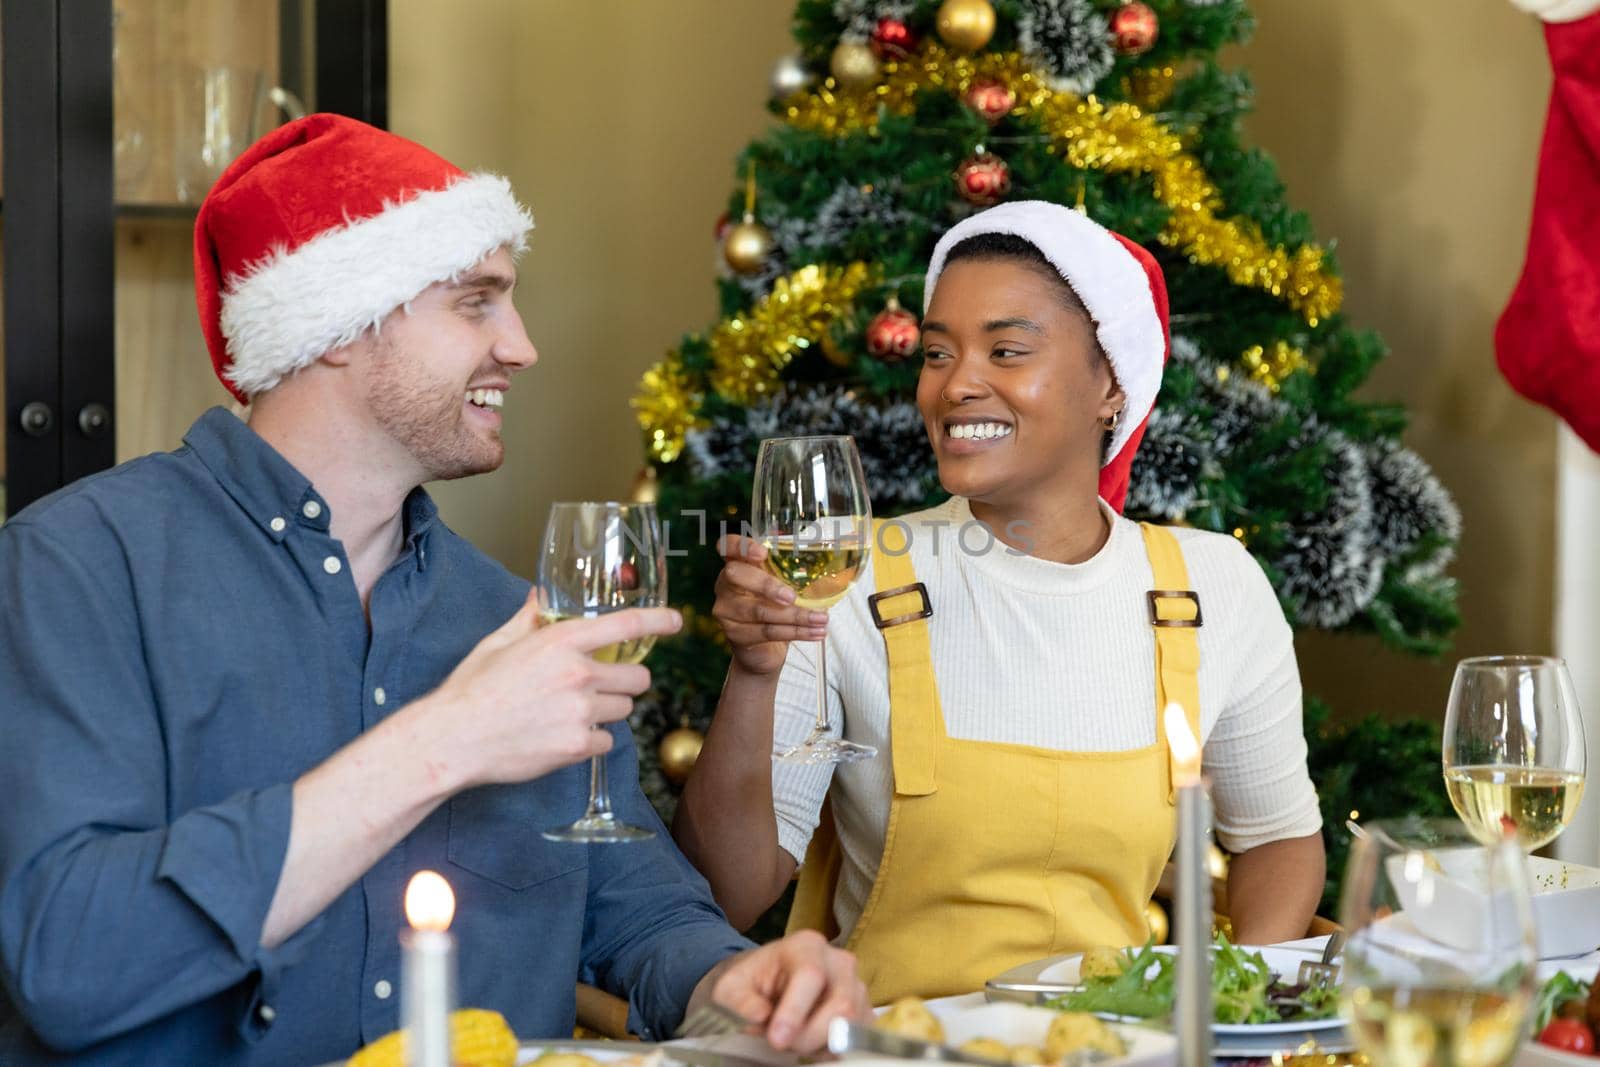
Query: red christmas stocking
1547, 341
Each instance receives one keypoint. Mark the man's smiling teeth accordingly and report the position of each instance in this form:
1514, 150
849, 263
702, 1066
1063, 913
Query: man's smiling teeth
486, 398
978, 430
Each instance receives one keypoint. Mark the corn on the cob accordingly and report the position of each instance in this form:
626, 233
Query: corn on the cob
478, 1038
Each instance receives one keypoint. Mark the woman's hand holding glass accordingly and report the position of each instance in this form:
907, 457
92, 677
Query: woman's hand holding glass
758, 612
809, 508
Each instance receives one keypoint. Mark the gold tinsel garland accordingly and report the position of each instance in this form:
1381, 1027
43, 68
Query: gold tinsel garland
665, 406
1271, 368
748, 352
1116, 138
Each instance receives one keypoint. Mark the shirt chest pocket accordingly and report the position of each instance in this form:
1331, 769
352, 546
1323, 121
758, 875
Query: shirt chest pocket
496, 832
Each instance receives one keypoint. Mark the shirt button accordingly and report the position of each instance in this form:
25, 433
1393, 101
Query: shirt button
382, 989
379, 696
277, 524
266, 1013
332, 565
311, 510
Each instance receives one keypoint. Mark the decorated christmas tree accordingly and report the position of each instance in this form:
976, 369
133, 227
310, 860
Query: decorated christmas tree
897, 118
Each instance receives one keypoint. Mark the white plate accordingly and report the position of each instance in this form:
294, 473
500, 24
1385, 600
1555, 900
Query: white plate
970, 1016
599, 1051
1286, 962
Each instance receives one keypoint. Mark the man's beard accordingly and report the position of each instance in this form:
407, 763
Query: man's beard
427, 421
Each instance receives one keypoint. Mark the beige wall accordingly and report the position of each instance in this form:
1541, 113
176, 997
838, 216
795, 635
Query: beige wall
618, 121
1407, 130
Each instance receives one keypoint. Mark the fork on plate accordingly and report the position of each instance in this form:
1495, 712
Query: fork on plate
1323, 974
712, 1020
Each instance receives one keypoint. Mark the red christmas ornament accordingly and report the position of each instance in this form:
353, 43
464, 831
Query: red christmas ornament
627, 576
1134, 29
990, 99
893, 333
892, 39
983, 179
724, 224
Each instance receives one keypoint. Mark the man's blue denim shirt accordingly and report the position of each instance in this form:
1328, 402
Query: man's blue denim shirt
180, 639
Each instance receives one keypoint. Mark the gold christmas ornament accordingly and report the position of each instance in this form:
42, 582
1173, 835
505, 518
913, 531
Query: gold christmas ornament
644, 488
1217, 863
678, 752
747, 245
1156, 916
1112, 138
966, 25
789, 76
853, 65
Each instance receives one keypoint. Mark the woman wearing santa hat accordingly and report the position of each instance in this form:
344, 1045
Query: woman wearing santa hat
1021, 803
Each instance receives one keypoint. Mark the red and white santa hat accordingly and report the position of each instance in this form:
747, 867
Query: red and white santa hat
323, 227
1121, 287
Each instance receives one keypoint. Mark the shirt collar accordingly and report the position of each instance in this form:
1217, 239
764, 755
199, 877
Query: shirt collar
265, 485
272, 492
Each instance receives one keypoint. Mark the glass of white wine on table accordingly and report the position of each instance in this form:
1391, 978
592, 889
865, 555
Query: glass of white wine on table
1462, 995
1514, 751
596, 558
809, 509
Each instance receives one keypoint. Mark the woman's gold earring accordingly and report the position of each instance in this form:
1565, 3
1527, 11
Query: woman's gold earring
1111, 422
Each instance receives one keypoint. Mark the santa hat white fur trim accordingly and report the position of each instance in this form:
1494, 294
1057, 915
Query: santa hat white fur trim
1111, 283
286, 311
1559, 10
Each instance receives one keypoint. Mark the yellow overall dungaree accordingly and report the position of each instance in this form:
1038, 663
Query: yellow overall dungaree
997, 854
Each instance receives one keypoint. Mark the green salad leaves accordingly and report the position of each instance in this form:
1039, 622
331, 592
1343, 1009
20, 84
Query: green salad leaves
1243, 989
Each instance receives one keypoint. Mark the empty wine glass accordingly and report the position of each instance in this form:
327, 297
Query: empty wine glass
810, 511
1514, 755
597, 558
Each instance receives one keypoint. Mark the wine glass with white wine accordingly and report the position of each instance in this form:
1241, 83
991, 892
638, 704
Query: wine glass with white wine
1514, 751
809, 510
597, 558
1440, 965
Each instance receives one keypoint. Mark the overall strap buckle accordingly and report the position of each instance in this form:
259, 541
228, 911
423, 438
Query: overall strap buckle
915, 587
1155, 596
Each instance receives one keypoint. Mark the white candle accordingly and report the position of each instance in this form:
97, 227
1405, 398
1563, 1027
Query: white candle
427, 971
1193, 1009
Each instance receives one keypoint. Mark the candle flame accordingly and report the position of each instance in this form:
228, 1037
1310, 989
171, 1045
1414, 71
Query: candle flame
1185, 748
430, 905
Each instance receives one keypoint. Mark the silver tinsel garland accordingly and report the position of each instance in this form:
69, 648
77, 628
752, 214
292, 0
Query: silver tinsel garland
890, 436
1330, 565
1070, 37
826, 232
860, 16
1384, 508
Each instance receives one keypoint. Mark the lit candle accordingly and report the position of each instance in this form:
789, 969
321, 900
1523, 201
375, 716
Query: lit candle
427, 971
1193, 1010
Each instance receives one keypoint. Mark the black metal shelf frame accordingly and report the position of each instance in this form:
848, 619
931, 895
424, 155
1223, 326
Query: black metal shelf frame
60, 219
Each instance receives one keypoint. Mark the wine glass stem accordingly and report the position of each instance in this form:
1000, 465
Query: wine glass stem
599, 789
822, 687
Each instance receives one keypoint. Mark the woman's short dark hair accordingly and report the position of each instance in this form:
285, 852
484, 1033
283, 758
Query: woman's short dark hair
1009, 247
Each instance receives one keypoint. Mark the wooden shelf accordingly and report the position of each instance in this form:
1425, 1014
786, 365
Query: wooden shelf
173, 212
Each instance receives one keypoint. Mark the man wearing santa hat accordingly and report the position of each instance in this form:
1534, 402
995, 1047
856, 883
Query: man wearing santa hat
253, 685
